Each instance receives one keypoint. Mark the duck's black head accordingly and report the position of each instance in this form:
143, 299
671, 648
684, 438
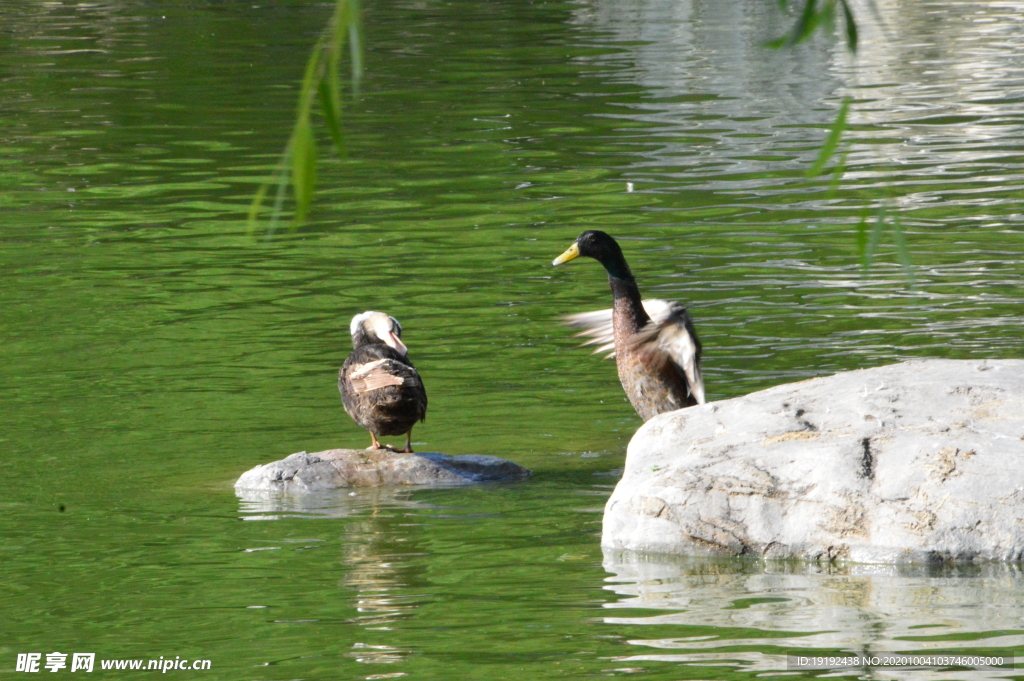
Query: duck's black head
377, 327
602, 248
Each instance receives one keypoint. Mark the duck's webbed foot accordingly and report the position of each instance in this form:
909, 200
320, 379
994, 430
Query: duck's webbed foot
408, 443
378, 445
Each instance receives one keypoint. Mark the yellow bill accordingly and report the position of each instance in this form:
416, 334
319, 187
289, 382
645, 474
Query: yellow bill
571, 254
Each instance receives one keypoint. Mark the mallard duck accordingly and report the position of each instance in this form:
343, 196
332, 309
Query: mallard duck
654, 343
380, 388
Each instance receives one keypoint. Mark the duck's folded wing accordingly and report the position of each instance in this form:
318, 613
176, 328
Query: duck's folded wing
597, 326
380, 374
674, 336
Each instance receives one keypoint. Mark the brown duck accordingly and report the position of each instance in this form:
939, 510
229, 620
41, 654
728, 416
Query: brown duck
380, 388
654, 343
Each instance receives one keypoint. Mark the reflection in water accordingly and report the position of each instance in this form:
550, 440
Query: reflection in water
940, 79
336, 503
376, 556
376, 550
143, 327
816, 609
726, 108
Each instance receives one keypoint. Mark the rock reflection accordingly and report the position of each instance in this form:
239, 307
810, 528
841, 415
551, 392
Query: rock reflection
335, 503
377, 552
819, 609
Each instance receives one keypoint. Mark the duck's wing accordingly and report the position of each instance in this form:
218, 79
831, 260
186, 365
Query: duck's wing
374, 367
379, 373
597, 326
671, 339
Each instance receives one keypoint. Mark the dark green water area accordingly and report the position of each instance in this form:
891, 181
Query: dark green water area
152, 348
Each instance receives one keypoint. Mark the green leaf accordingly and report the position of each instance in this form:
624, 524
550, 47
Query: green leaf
329, 85
330, 104
255, 206
851, 26
837, 172
303, 165
321, 83
805, 25
832, 141
827, 15
310, 78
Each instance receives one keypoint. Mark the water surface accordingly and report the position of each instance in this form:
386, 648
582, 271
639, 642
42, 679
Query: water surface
153, 349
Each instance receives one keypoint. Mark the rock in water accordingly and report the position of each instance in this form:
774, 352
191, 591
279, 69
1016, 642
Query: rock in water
916, 462
302, 472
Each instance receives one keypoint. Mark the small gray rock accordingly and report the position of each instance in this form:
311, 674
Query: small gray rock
302, 473
917, 462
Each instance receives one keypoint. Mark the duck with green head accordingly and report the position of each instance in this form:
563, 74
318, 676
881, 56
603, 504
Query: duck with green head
655, 346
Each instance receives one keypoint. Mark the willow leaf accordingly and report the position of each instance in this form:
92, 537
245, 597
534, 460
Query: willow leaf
330, 106
809, 20
303, 164
832, 141
851, 26
837, 172
320, 85
255, 206
308, 89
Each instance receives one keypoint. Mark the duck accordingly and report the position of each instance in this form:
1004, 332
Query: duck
654, 343
380, 388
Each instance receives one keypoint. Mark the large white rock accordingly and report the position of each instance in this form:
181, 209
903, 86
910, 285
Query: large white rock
919, 461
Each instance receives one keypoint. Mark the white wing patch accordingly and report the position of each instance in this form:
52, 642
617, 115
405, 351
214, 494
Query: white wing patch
373, 375
675, 340
667, 325
597, 325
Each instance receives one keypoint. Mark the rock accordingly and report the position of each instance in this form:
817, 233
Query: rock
302, 473
916, 462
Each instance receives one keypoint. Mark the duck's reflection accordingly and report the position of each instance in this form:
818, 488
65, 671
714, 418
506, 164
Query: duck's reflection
798, 608
378, 552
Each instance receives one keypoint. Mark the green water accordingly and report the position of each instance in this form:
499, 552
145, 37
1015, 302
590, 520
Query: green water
152, 349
